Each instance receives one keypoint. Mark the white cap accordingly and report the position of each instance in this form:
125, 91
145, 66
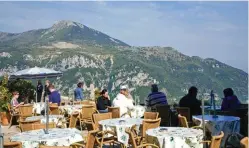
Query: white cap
123, 87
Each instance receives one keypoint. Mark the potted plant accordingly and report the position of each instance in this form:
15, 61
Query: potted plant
5, 96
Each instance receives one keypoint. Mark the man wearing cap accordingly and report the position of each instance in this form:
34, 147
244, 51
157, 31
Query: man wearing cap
123, 102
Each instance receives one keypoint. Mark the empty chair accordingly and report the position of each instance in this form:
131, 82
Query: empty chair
215, 141
133, 139
184, 111
73, 120
183, 121
12, 144
115, 111
54, 110
164, 114
86, 114
149, 124
27, 125
99, 117
150, 115
244, 142
91, 140
43, 126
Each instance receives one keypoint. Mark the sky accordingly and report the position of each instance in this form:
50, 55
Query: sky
216, 30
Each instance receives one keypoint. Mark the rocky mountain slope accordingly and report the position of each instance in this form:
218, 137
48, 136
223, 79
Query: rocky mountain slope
87, 55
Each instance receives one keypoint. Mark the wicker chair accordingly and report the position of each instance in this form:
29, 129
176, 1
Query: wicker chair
151, 115
149, 124
73, 120
12, 144
244, 142
99, 117
91, 140
164, 114
27, 125
86, 114
215, 141
134, 142
25, 111
115, 111
184, 123
54, 110
13, 115
184, 111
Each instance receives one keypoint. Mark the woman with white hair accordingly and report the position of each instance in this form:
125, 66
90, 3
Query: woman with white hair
123, 102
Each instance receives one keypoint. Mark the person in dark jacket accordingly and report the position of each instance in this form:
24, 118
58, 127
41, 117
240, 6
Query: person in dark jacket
191, 101
39, 90
46, 89
230, 101
103, 102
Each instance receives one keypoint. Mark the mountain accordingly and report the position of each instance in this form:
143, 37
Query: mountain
87, 55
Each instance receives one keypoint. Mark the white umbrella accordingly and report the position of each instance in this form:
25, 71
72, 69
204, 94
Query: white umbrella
35, 73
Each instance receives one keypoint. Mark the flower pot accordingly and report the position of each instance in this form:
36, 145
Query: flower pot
4, 118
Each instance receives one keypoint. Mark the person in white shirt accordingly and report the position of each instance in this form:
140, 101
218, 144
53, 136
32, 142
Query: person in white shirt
125, 104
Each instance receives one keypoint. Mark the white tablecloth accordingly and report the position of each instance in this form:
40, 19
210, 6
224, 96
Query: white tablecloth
38, 107
227, 124
175, 137
56, 137
57, 119
69, 109
119, 125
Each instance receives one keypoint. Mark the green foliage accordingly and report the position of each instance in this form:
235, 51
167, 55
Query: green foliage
25, 88
5, 95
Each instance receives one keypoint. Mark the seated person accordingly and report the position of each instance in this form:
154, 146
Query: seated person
191, 102
121, 101
14, 102
54, 96
230, 101
103, 102
155, 98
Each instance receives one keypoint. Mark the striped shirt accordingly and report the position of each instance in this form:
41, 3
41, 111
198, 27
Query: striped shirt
156, 98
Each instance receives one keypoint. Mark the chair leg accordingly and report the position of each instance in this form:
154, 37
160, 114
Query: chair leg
80, 126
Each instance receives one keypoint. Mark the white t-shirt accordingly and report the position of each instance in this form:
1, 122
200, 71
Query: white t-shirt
123, 103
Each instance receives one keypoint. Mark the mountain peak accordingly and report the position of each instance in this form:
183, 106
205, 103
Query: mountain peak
66, 23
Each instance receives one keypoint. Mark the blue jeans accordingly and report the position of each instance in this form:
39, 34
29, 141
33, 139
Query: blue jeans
103, 111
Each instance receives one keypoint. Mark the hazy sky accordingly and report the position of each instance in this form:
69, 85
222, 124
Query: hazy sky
206, 29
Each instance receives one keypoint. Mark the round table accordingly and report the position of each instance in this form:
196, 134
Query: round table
119, 125
227, 124
69, 109
175, 137
56, 137
57, 119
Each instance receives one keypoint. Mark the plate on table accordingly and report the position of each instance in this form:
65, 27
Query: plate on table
163, 130
121, 121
